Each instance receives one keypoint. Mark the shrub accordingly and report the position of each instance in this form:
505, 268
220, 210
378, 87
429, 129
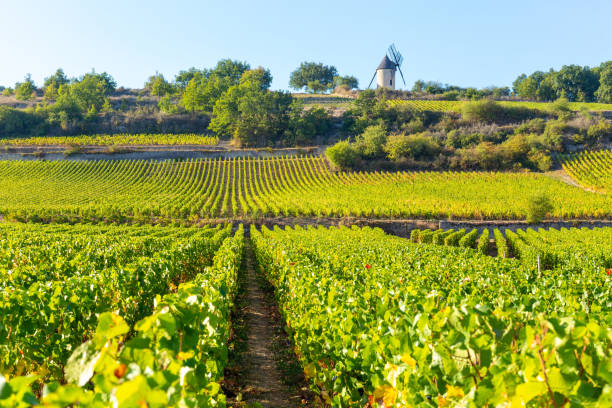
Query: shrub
342, 155
483, 242
536, 125
553, 135
414, 235
561, 108
540, 160
488, 111
15, 122
417, 146
538, 208
370, 143
598, 131
7, 91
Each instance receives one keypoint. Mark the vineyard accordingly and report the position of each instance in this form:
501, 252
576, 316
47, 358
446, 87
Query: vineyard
250, 188
378, 321
591, 169
112, 140
457, 106
548, 248
141, 313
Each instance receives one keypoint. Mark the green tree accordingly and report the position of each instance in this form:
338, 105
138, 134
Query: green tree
24, 90
53, 82
313, 76
576, 83
604, 92
159, 86
347, 81
184, 77
250, 114
193, 97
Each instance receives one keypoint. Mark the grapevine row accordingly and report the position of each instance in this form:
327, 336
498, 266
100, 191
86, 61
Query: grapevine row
287, 186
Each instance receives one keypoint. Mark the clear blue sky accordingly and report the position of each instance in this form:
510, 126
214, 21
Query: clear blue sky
466, 43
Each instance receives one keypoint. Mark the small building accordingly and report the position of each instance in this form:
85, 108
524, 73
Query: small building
385, 73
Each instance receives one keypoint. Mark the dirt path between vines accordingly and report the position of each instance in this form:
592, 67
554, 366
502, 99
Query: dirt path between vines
561, 175
263, 381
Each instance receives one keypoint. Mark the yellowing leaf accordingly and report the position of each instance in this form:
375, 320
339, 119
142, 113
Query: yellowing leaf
386, 394
407, 359
454, 392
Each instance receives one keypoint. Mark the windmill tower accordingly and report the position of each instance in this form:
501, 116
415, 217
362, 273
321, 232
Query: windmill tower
385, 73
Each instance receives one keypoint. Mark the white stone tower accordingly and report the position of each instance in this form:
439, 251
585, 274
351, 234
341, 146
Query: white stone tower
385, 74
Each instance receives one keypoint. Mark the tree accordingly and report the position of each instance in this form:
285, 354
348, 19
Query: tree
576, 83
313, 76
184, 77
25, 89
193, 97
53, 83
158, 85
249, 113
604, 92
419, 86
347, 81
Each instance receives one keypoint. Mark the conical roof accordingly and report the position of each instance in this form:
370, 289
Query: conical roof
386, 63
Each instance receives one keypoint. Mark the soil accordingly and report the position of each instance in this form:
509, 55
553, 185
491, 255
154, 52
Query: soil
263, 381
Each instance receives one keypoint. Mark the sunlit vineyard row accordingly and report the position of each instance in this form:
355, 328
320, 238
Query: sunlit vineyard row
380, 321
456, 106
288, 186
592, 169
113, 140
548, 248
136, 315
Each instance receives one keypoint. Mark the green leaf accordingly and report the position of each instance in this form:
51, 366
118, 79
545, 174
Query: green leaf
81, 364
110, 325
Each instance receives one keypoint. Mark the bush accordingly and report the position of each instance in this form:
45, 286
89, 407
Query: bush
553, 135
561, 108
418, 146
596, 133
488, 111
25, 90
414, 235
370, 143
342, 155
7, 91
540, 160
538, 208
533, 126
15, 122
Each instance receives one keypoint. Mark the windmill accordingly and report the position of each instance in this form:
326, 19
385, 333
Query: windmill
385, 73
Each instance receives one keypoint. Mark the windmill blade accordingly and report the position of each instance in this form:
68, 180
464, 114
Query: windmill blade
374, 76
400, 70
395, 55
